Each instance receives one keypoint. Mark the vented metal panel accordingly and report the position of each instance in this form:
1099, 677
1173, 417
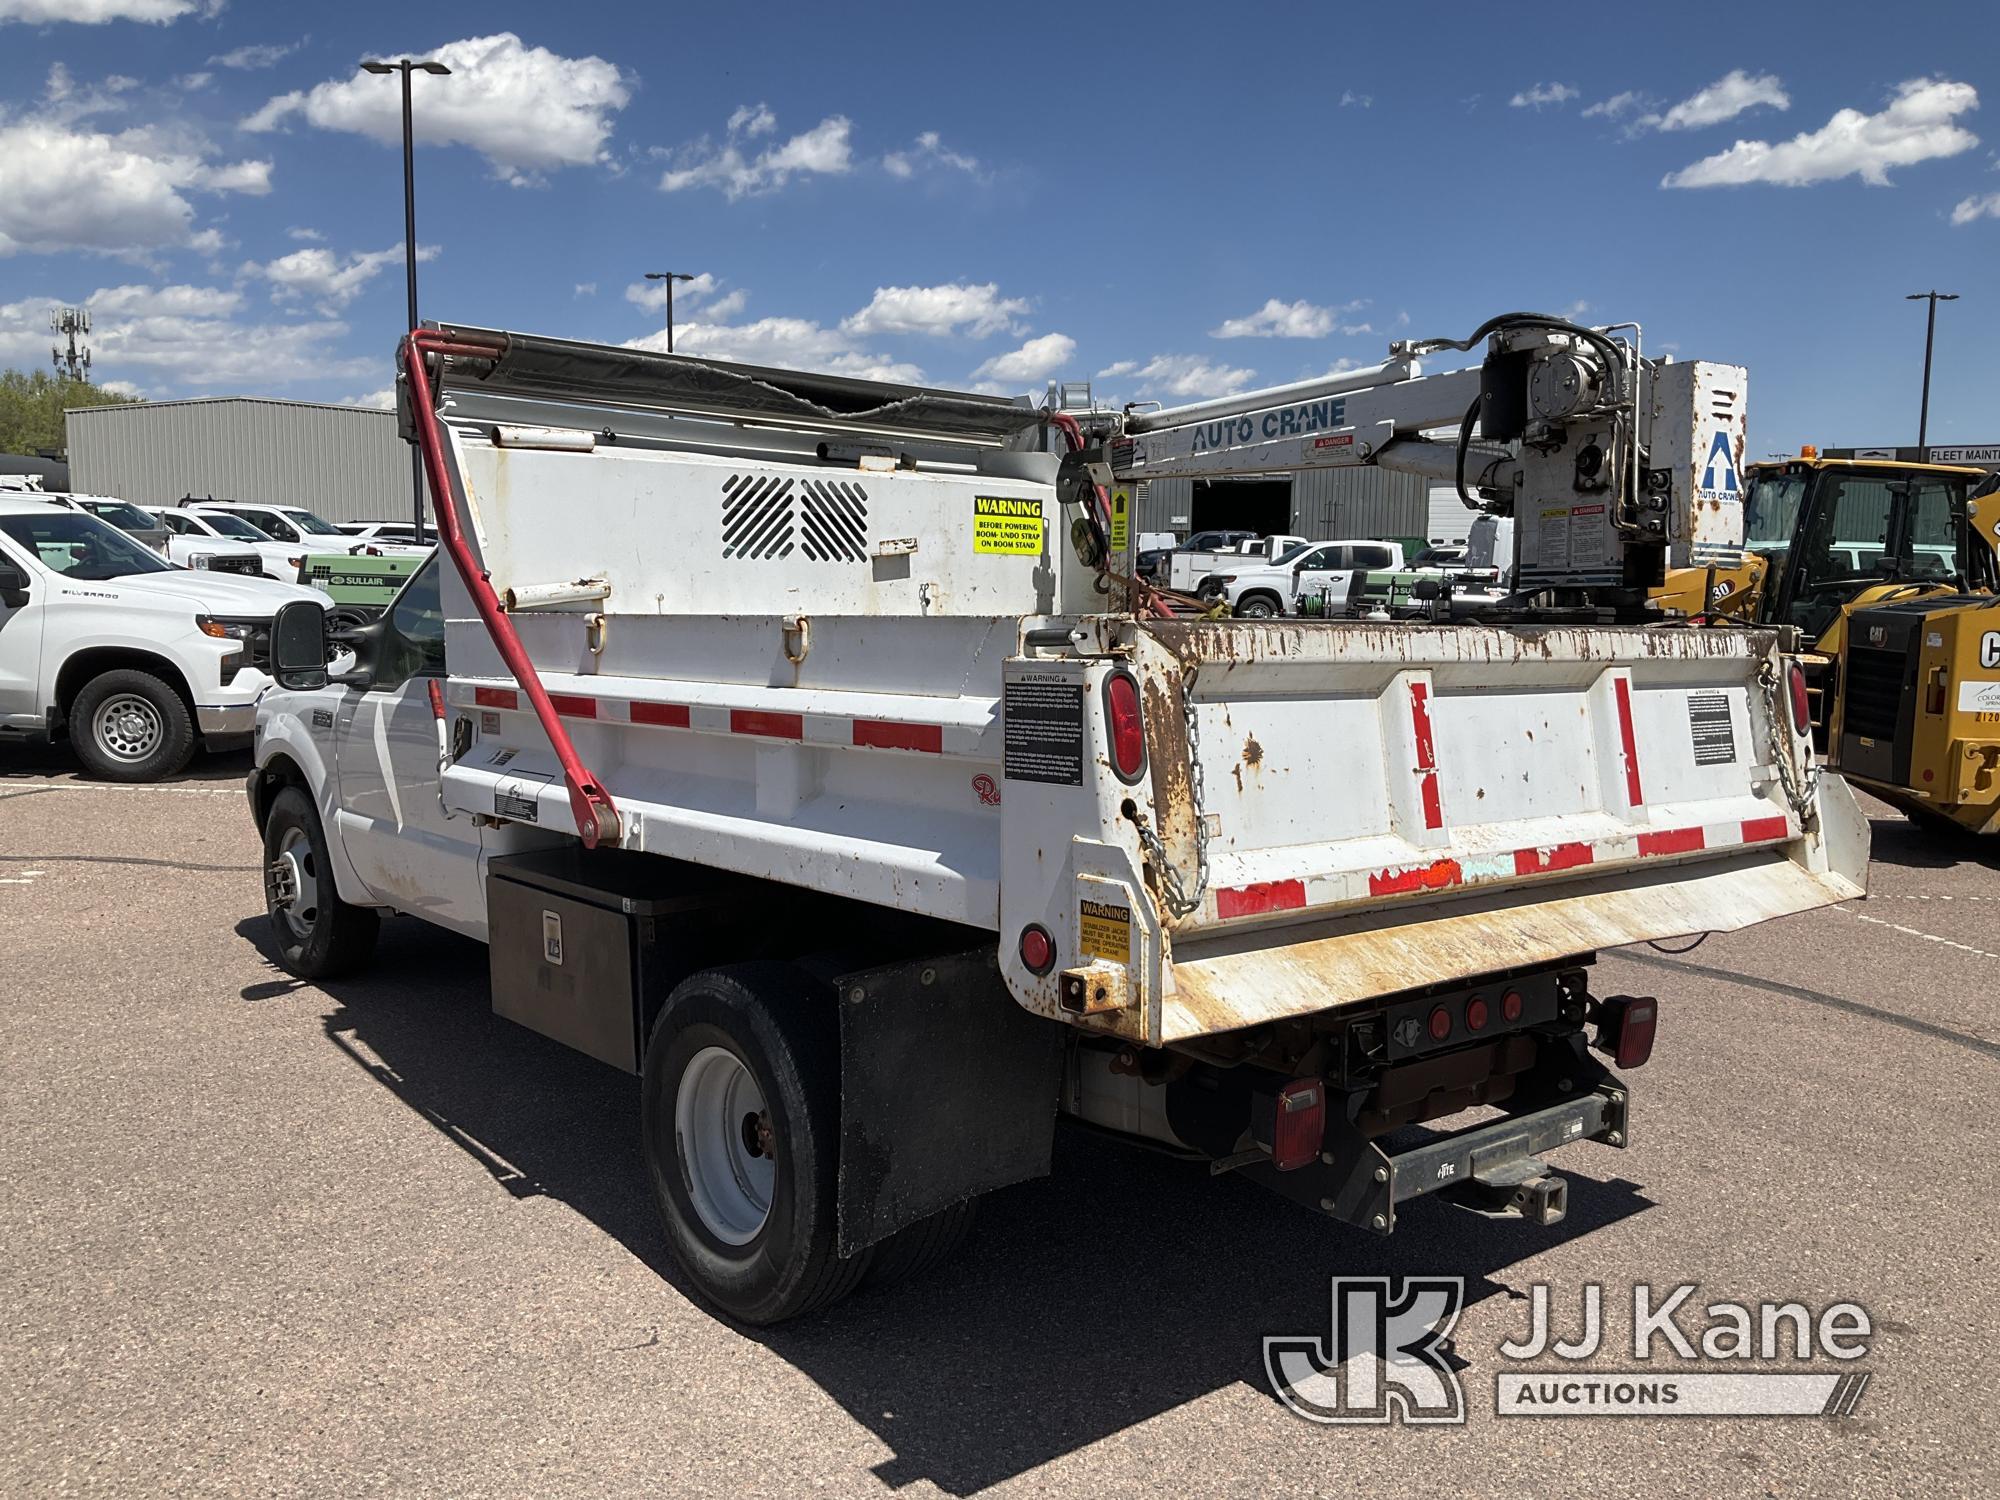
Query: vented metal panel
834, 519
756, 516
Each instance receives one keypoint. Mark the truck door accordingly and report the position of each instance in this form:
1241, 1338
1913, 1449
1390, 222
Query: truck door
401, 844
20, 639
1322, 570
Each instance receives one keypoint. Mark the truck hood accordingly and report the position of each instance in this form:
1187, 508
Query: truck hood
215, 593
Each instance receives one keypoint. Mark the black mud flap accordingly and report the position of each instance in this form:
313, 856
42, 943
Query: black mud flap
948, 1089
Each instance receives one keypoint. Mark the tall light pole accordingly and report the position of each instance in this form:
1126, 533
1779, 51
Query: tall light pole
669, 277
406, 66
1930, 338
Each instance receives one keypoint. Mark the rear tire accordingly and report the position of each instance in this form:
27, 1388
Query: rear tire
128, 725
318, 935
741, 1118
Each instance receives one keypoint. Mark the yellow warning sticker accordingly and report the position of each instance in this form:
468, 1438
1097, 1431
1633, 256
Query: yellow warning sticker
1105, 931
1121, 519
1007, 527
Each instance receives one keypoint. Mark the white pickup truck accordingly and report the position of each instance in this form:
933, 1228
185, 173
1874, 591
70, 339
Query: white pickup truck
869, 813
134, 657
1187, 567
1262, 591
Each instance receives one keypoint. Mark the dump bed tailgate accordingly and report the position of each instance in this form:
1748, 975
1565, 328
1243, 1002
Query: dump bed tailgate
1337, 811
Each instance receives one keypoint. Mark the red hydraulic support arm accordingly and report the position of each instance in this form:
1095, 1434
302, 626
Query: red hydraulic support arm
595, 813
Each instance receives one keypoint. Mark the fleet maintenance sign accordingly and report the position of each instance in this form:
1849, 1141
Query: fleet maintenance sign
1006, 527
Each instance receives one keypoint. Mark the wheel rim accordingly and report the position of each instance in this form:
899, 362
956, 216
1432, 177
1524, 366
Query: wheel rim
722, 1134
1256, 609
128, 728
293, 882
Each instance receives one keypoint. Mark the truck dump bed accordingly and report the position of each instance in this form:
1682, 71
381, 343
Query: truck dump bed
784, 655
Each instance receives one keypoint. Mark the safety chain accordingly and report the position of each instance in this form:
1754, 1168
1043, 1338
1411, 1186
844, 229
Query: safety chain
1802, 795
1180, 900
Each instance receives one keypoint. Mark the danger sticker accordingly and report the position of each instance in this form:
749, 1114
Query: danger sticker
1011, 528
1105, 931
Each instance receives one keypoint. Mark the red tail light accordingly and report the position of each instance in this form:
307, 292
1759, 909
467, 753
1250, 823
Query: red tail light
1038, 949
1801, 703
1440, 1024
1510, 1006
1128, 730
1299, 1126
1475, 1014
1625, 1029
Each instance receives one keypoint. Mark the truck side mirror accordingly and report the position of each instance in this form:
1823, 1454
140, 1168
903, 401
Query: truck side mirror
13, 585
298, 645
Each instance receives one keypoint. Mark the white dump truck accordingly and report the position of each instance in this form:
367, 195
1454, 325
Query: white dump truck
806, 747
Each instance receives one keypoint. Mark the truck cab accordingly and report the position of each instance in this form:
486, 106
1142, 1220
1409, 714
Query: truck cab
1324, 570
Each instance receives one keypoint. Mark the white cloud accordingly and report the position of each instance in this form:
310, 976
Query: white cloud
257, 55
688, 295
382, 400
527, 110
824, 150
1537, 95
1283, 320
193, 83
325, 276
97, 12
1031, 364
185, 338
1919, 123
586, 289
978, 310
300, 232
789, 343
1351, 100
1616, 107
1181, 376
1976, 207
1725, 99
929, 151
69, 189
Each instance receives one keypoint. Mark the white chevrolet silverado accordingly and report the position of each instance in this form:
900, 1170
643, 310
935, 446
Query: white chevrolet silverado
132, 656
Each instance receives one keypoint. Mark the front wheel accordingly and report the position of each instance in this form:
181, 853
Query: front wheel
740, 1113
1258, 607
131, 726
319, 936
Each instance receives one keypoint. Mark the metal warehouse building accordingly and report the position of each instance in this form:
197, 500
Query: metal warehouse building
346, 463
1322, 503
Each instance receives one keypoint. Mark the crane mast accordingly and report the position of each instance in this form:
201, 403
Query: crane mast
1613, 466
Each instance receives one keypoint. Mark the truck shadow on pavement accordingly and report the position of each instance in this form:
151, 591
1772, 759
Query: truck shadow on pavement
1895, 840
1124, 1285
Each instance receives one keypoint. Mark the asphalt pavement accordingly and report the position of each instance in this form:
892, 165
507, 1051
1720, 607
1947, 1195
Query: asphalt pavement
259, 1237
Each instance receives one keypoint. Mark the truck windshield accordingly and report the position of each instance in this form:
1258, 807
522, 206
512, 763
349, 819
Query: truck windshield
222, 523
118, 513
311, 524
82, 547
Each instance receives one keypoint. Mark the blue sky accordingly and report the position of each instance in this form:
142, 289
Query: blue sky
1173, 201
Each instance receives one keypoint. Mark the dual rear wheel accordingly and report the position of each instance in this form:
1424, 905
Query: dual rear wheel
741, 1121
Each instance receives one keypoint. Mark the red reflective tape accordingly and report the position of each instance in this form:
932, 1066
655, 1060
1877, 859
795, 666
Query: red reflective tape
1420, 720
1427, 784
1672, 841
1622, 689
672, 714
881, 734
771, 726
575, 706
1434, 876
1266, 895
496, 698
1559, 857
1763, 830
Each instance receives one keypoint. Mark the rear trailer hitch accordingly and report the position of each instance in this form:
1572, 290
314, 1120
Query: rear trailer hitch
596, 815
